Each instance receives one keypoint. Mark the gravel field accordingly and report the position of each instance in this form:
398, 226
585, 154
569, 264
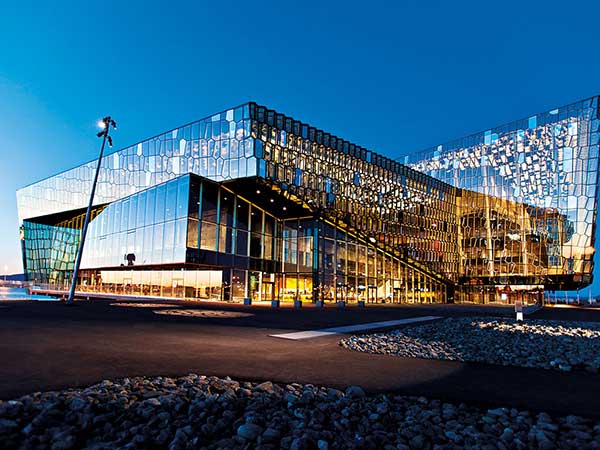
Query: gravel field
544, 344
198, 412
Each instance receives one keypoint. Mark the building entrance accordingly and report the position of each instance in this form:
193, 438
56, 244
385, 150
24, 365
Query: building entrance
267, 291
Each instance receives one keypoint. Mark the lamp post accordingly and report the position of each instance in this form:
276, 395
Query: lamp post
105, 124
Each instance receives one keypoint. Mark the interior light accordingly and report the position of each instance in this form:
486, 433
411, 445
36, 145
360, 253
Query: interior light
258, 191
284, 208
272, 200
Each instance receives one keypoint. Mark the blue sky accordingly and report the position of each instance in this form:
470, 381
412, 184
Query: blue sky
392, 76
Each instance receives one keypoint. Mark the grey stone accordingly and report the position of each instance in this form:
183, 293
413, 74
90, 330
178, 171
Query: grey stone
454, 437
546, 444
249, 431
152, 402
271, 434
267, 387
322, 445
417, 442
7, 426
507, 435
306, 397
355, 392
303, 443
63, 441
582, 435
180, 440
555, 345
201, 412
243, 392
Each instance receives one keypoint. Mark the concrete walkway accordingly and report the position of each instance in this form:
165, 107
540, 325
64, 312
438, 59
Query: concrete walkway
46, 345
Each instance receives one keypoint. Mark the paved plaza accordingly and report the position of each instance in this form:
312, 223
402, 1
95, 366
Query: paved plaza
47, 346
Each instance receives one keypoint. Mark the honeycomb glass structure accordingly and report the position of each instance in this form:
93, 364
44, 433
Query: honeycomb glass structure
253, 204
527, 210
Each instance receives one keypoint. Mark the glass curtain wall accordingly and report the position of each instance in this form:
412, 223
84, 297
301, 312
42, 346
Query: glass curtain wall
412, 214
50, 248
511, 208
218, 147
265, 257
177, 283
528, 209
147, 228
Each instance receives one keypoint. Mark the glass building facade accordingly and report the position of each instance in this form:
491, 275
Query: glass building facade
250, 203
527, 209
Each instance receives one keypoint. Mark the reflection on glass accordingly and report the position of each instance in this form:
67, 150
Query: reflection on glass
327, 219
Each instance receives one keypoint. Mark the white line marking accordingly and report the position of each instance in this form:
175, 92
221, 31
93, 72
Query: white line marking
298, 335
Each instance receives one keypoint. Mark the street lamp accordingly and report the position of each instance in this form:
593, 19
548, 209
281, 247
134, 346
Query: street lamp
105, 124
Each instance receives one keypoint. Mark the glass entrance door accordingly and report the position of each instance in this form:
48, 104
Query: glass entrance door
178, 288
267, 291
372, 293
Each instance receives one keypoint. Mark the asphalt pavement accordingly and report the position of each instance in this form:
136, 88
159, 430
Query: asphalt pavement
48, 346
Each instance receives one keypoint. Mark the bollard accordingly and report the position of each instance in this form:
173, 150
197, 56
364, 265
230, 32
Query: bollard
297, 303
274, 303
319, 303
361, 303
519, 310
341, 304
247, 301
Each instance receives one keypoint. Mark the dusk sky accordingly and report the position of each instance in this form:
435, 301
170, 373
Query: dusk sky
394, 77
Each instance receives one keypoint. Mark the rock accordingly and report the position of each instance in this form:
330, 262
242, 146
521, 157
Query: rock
563, 345
454, 437
249, 431
417, 442
152, 402
271, 434
290, 398
498, 412
507, 435
63, 441
303, 443
382, 408
334, 394
355, 392
266, 387
581, 435
7, 426
77, 404
546, 444
243, 392
548, 426
306, 397
226, 384
322, 445
211, 412
180, 440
